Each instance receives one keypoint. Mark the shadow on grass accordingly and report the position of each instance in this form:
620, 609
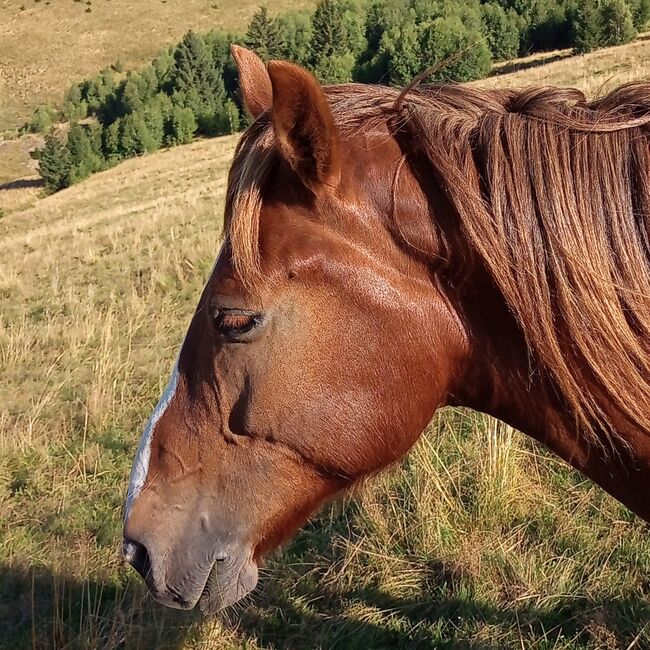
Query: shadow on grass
517, 66
39, 609
294, 609
23, 183
328, 619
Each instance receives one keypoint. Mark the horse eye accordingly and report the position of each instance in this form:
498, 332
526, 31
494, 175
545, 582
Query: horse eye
232, 323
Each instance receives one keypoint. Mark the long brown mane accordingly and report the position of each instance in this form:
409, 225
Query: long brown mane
552, 192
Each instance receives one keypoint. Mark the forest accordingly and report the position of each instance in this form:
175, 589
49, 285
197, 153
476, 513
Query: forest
189, 89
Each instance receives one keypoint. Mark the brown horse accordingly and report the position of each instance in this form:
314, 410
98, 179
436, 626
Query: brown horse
387, 254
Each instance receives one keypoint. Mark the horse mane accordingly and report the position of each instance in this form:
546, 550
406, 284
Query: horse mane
551, 191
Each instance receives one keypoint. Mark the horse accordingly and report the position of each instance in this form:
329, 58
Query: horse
386, 253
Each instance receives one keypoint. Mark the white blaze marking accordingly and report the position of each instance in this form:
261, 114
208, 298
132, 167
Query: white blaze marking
143, 455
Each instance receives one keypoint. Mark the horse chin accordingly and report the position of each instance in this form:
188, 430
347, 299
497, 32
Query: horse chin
227, 584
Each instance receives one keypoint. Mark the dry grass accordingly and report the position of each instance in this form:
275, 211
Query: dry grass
594, 73
480, 539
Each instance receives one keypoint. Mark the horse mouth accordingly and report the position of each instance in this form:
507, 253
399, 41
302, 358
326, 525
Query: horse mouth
227, 584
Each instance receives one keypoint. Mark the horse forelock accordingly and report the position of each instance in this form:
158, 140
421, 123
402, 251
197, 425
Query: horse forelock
553, 193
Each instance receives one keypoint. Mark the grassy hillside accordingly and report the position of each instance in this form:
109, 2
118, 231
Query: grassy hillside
480, 539
44, 46
594, 73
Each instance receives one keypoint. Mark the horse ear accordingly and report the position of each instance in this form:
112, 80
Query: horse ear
254, 82
303, 124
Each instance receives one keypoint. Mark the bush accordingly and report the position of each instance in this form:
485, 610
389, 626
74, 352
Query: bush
42, 119
502, 30
640, 13
617, 24
445, 38
587, 27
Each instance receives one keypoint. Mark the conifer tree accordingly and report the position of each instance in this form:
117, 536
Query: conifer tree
640, 13
54, 163
617, 23
587, 27
501, 30
328, 31
265, 35
464, 53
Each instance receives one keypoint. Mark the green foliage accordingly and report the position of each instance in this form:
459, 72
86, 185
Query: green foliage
337, 37
640, 13
617, 23
296, 36
42, 119
111, 139
95, 90
502, 30
442, 42
75, 107
84, 147
54, 163
180, 126
265, 35
135, 136
587, 27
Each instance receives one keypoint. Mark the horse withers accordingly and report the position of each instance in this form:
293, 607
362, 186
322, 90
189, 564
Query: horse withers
387, 253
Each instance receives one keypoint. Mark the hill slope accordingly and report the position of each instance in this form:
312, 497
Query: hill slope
480, 539
45, 46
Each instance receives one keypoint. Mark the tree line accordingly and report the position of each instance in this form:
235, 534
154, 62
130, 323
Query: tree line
190, 89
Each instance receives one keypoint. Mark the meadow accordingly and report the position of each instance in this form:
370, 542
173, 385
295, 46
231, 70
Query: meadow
479, 539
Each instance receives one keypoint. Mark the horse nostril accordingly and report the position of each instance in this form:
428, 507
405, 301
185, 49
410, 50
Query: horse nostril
137, 556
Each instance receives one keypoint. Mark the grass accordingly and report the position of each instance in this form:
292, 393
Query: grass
480, 539
594, 73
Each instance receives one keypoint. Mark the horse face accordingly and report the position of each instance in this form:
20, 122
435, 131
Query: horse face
287, 390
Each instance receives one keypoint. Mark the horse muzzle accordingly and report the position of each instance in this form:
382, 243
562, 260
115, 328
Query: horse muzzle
184, 576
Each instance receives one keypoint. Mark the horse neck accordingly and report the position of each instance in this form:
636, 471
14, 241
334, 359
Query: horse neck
500, 380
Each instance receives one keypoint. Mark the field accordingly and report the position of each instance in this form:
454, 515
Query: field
480, 539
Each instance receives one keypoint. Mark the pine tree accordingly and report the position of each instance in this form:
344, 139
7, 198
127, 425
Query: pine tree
265, 35
463, 53
180, 126
75, 107
197, 82
501, 30
296, 36
640, 13
587, 27
617, 23
400, 50
328, 32
84, 147
54, 163
135, 138
111, 146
